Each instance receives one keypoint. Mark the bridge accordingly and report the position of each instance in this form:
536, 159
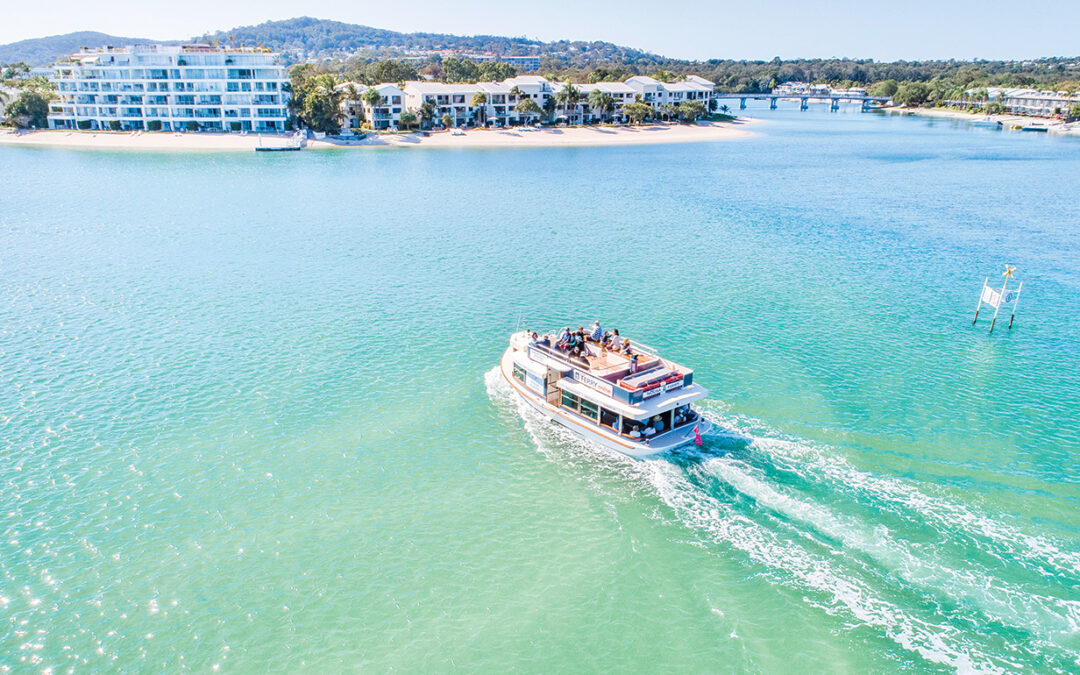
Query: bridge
805, 98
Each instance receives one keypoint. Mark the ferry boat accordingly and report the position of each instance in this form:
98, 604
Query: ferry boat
631, 401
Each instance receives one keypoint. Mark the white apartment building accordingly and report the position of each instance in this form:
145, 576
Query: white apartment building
386, 114
171, 88
620, 92
657, 93
502, 98
1031, 102
454, 100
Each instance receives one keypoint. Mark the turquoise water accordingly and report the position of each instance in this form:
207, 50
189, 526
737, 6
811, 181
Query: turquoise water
249, 416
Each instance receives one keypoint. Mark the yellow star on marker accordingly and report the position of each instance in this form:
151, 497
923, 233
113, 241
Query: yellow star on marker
1008, 271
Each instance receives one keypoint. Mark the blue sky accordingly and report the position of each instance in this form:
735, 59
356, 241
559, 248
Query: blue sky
751, 29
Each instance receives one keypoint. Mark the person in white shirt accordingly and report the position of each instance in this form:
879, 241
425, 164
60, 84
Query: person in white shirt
635, 432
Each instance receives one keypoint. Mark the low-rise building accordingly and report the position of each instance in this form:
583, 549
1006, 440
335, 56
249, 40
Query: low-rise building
171, 88
460, 101
358, 107
1037, 103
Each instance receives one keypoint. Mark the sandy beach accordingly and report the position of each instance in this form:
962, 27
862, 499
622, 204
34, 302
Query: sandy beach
475, 138
1007, 121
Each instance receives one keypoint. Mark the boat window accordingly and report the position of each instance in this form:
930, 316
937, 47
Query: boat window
608, 418
590, 409
519, 373
569, 400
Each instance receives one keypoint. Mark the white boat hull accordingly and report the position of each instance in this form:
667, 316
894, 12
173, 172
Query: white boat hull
659, 443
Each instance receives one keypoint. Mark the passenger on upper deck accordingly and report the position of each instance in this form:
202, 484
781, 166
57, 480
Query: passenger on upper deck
564, 338
613, 341
597, 332
574, 342
626, 346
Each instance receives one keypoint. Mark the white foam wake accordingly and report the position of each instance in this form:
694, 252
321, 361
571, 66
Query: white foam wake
786, 562
835, 592
950, 518
971, 587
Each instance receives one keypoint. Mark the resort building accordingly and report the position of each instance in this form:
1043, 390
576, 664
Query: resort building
171, 88
621, 93
461, 102
657, 93
523, 63
454, 100
385, 114
1034, 103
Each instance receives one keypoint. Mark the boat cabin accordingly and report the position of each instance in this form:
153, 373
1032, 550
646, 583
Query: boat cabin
631, 392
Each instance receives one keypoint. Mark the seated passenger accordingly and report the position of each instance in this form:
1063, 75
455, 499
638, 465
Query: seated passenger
649, 431
534, 339
635, 432
544, 341
658, 423
564, 339
626, 346
597, 332
613, 341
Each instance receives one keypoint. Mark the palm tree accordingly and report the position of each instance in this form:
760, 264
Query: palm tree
669, 110
725, 109
373, 99
569, 96
479, 101
515, 92
527, 107
426, 112
407, 119
602, 101
549, 108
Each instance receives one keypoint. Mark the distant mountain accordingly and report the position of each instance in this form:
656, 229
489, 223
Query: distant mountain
318, 37
322, 37
43, 51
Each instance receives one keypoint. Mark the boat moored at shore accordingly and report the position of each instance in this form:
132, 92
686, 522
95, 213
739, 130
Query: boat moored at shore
625, 397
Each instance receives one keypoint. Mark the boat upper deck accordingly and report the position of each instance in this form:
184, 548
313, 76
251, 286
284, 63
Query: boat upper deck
630, 374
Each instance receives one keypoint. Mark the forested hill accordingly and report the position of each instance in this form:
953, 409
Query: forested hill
319, 37
327, 38
43, 51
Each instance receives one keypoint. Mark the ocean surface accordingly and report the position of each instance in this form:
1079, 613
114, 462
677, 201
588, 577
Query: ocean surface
250, 422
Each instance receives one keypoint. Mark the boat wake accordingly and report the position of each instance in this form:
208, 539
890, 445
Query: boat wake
963, 590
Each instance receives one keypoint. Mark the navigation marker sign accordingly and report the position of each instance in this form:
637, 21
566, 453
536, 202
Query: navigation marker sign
996, 298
